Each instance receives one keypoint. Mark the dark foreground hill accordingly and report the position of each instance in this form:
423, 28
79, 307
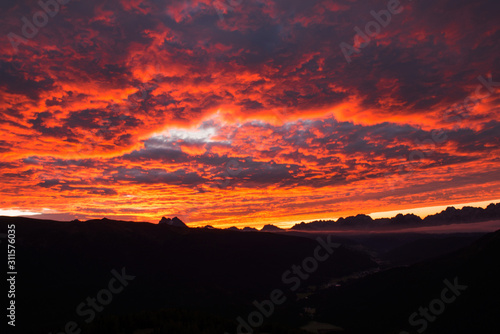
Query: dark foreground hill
105, 276
413, 299
197, 274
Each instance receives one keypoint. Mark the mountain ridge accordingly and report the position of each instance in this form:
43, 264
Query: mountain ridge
451, 215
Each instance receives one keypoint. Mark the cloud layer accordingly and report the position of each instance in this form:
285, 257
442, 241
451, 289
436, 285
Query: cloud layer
232, 112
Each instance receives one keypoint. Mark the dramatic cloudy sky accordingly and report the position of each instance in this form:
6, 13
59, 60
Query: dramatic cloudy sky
237, 112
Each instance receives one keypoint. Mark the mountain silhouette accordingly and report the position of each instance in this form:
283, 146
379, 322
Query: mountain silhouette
176, 222
271, 228
364, 222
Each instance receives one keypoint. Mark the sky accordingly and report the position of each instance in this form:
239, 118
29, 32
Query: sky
247, 112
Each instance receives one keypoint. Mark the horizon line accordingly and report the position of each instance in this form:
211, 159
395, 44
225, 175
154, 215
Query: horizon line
422, 212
